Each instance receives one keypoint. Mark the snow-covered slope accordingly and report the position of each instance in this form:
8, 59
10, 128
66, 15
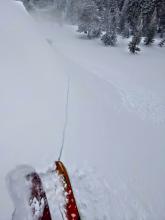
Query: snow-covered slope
114, 147
32, 97
117, 121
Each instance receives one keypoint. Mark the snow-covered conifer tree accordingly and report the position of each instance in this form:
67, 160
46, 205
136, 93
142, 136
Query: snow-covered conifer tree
148, 8
151, 30
124, 28
133, 45
132, 14
160, 5
162, 43
89, 21
110, 23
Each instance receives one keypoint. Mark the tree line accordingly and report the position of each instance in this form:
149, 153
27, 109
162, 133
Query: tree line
142, 20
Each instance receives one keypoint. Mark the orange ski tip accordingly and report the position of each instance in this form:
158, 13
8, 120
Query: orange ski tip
71, 211
59, 165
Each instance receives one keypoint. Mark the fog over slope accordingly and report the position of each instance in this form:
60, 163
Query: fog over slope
114, 147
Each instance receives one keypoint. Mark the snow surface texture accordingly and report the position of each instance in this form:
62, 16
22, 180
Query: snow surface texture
19, 190
123, 72
53, 185
114, 147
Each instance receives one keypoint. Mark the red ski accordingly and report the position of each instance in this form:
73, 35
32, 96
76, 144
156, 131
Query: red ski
31, 183
71, 209
38, 200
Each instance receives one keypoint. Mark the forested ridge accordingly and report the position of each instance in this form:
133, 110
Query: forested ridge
142, 20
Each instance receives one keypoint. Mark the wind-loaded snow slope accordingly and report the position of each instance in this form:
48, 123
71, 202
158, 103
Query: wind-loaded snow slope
114, 147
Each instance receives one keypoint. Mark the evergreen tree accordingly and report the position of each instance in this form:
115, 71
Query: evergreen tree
161, 16
122, 18
120, 4
151, 30
148, 12
133, 45
162, 43
110, 23
133, 13
107, 18
124, 28
89, 21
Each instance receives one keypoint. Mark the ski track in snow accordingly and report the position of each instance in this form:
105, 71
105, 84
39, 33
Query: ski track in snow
106, 197
146, 104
